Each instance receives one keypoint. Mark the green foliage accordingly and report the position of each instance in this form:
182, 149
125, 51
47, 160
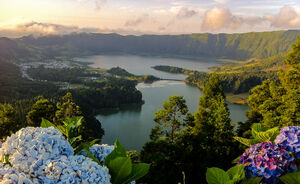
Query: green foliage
293, 57
169, 118
15, 87
121, 168
70, 128
234, 46
134, 156
171, 69
218, 176
291, 178
276, 104
199, 141
260, 133
119, 72
43, 108
67, 108
71, 75
8, 121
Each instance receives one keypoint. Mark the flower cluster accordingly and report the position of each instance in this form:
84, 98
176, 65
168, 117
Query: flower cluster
43, 155
267, 160
101, 151
289, 139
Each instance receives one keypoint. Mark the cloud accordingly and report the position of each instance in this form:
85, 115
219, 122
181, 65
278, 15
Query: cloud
186, 13
288, 17
137, 21
39, 29
218, 18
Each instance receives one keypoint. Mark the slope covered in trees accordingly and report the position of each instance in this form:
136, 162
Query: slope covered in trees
233, 46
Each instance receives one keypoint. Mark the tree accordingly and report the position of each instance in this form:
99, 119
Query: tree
169, 119
42, 108
274, 104
183, 146
8, 121
164, 150
213, 130
67, 108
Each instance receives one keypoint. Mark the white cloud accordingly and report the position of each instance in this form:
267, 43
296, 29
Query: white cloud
39, 29
288, 17
218, 18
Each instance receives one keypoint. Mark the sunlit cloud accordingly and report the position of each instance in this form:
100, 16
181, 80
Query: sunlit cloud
288, 17
40, 29
218, 18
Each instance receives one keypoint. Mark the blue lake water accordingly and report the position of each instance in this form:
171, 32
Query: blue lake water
132, 124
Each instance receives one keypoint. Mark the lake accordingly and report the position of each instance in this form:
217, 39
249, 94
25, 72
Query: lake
132, 124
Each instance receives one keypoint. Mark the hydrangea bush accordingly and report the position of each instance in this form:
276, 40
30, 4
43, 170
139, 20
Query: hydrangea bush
289, 139
271, 158
43, 155
267, 160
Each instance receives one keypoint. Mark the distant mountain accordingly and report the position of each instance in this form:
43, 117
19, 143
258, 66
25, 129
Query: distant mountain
230, 46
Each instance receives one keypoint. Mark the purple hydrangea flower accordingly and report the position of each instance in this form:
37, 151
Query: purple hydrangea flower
267, 160
289, 138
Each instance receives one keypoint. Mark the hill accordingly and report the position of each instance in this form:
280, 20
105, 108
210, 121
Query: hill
231, 46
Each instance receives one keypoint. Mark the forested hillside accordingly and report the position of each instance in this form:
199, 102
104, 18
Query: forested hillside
231, 46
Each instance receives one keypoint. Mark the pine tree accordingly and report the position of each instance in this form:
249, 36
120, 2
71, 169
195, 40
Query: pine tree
213, 127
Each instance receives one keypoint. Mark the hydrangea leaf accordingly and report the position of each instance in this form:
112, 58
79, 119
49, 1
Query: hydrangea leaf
291, 178
244, 141
268, 135
120, 169
119, 151
273, 132
46, 124
236, 173
216, 176
138, 171
258, 127
253, 180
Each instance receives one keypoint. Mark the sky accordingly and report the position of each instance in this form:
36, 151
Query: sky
42, 17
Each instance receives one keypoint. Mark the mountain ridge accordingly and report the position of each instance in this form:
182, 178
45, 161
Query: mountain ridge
239, 46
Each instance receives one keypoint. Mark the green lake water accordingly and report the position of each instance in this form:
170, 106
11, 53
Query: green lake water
132, 124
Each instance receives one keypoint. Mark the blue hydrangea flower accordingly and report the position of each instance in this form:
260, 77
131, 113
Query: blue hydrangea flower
99, 151
30, 147
289, 138
44, 156
267, 160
